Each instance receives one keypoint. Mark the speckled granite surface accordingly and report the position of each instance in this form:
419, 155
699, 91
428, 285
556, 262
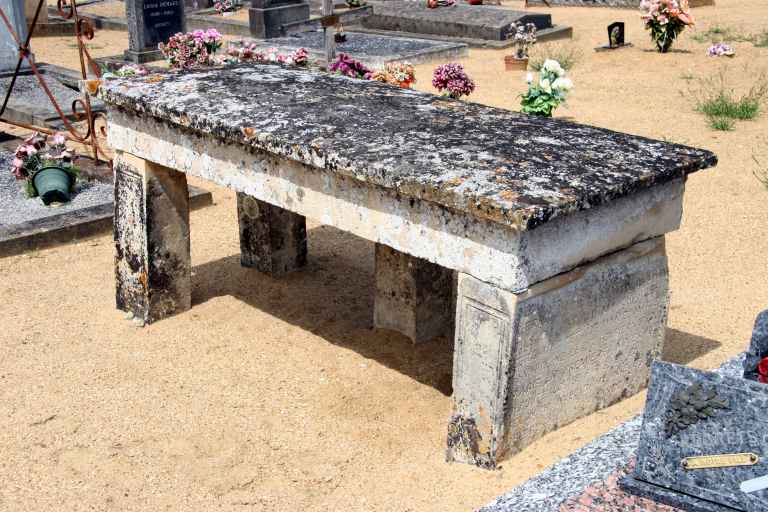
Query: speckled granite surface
737, 423
758, 346
565, 483
491, 163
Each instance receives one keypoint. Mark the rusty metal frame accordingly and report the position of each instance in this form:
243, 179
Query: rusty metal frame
83, 32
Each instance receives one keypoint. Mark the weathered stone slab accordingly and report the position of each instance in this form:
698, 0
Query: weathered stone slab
461, 20
758, 346
151, 225
695, 413
413, 296
373, 50
517, 170
526, 364
490, 251
29, 104
272, 239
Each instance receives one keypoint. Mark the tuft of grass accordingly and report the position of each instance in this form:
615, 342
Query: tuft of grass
722, 105
761, 40
723, 124
725, 105
687, 76
567, 55
720, 34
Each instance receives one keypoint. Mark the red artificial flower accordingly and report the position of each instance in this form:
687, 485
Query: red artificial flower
762, 370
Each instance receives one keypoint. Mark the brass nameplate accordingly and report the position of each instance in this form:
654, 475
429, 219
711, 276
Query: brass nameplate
720, 461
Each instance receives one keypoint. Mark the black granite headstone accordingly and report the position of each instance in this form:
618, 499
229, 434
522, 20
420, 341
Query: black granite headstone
692, 413
616, 37
616, 34
758, 347
151, 22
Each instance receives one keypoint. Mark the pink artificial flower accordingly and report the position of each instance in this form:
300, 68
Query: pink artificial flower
59, 139
18, 163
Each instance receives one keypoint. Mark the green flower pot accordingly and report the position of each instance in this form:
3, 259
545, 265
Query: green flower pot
53, 185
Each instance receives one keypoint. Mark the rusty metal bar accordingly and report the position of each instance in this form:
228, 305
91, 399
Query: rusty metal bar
83, 31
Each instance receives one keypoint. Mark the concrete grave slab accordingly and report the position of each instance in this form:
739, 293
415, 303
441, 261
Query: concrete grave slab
461, 22
26, 224
29, 104
371, 49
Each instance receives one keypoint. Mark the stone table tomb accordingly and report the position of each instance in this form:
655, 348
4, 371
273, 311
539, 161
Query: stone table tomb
553, 232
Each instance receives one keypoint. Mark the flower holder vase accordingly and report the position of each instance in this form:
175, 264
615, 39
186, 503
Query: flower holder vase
53, 185
512, 63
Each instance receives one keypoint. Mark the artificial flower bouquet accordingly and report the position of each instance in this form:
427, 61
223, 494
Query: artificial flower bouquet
347, 66
184, 51
452, 81
721, 50
665, 19
523, 37
401, 74
226, 6
546, 94
36, 156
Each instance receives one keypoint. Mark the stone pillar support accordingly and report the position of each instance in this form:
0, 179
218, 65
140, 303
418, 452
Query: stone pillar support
151, 227
526, 364
272, 240
413, 295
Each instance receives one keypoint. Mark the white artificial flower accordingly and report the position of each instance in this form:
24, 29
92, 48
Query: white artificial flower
544, 84
562, 84
529, 78
548, 65
552, 66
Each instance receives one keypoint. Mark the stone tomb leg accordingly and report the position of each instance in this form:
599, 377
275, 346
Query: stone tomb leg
272, 240
413, 295
528, 363
151, 227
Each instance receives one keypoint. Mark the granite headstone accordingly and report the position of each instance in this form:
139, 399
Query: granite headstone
267, 17
616, 37
9, 48
693, 413
151, 22
616, 34
758, 346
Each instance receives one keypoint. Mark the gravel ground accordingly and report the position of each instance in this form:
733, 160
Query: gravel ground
16, 208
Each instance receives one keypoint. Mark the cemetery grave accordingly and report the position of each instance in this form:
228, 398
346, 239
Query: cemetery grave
712, 462
626, 4
476, 25
193, 124
372, 49
505, 274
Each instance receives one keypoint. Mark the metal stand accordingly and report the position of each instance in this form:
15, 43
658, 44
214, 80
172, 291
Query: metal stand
81, 108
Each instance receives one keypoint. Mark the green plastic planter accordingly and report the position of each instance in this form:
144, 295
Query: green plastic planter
53, 185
